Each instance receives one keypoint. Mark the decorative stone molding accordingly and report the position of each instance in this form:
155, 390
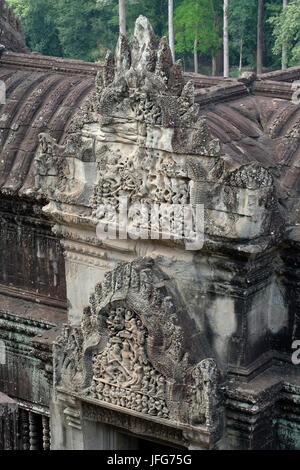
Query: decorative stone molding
252, 412
71, 410
137, 425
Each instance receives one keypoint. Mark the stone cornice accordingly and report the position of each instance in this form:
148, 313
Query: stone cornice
272, 88
221, 93
288, 75
39, 63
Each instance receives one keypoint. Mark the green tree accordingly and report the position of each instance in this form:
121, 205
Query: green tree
259, 55
272, 8
171, 28
242, 29
198, 28
85, 29
155, 10
243, 15
39, 21
80, 27
225, 39
284, 48
286, 31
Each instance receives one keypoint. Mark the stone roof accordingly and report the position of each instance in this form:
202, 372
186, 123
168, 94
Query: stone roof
42, 94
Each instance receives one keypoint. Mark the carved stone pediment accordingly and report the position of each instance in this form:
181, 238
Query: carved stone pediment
134, 137
140, 136
135, 350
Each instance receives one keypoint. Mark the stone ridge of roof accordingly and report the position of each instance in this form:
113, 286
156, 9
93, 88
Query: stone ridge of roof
36, 102
39, 63
207, 88
286, 75
233, 90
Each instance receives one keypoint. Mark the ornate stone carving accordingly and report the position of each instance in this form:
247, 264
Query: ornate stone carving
135, 350
251, 176
140, 136
146, 107
133, 135
122, 372
204, 392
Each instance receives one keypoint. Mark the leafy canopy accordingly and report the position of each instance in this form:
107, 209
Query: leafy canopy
287, 30
86, 29
196, 20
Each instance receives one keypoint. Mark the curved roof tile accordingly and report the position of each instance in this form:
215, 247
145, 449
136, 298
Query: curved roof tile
35, 102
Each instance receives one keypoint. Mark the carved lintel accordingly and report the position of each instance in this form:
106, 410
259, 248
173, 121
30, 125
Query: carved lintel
133, 424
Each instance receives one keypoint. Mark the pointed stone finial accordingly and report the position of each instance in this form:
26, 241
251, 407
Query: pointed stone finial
143, 45
164, 59
123, 55
109, 69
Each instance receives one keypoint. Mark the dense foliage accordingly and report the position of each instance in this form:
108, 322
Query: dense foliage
86, 29
198, 25
287, 30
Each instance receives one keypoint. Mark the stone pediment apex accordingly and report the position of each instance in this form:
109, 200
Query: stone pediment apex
142, 84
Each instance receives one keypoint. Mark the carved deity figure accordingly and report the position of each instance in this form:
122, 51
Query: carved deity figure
204, 389
122, 368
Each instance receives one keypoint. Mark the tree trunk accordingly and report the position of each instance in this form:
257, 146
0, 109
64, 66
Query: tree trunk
214, 65
171, 28
259, 37
195, 56
122, 17
284, 45
219, 62
226, 42
241, 55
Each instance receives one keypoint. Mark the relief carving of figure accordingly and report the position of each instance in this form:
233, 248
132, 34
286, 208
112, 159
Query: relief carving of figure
123, 367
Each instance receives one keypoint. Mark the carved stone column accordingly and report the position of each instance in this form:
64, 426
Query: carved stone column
8, 423
66, 426
24, 429
46, 433
33, 431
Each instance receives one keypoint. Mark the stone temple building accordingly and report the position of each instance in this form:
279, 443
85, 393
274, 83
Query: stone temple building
119, 343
